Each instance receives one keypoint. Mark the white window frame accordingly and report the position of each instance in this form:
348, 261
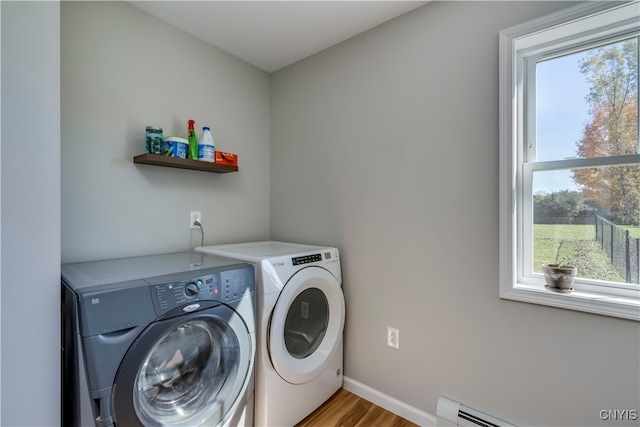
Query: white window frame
519, 46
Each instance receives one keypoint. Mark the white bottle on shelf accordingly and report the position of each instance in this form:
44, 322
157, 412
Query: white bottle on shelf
206, 147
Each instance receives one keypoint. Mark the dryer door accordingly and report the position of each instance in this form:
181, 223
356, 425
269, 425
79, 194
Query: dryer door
184, 371
306, 325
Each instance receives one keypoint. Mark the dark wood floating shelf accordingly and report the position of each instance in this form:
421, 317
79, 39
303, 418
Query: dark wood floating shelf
175, 162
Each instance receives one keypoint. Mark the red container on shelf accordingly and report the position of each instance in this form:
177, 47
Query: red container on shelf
224, 158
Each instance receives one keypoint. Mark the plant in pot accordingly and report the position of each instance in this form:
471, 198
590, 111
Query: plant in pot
559, 276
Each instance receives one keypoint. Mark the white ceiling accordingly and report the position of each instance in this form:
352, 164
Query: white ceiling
274, 34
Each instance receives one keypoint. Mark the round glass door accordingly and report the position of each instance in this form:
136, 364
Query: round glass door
184, 371
306, 325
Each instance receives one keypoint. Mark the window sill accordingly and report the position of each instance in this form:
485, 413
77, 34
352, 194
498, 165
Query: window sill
608, 305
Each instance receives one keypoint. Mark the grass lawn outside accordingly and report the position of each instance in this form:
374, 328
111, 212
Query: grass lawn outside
634, 230
579, 248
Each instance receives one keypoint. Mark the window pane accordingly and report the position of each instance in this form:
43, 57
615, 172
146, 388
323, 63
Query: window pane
587, 103
588, 218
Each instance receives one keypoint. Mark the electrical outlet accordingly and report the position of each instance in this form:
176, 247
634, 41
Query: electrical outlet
393, 338
193, 217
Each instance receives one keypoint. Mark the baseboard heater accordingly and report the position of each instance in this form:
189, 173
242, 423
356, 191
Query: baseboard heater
451, 413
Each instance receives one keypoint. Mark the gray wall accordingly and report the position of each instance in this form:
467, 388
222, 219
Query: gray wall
387, 147
123, 69
30, 217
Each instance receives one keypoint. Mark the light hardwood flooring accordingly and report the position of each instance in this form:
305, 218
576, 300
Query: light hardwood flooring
345, 409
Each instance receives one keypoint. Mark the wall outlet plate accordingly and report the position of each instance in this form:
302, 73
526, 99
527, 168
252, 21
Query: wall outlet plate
193, 217
393, 337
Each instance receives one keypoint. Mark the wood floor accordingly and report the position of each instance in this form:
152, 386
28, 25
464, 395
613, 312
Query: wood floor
345, 409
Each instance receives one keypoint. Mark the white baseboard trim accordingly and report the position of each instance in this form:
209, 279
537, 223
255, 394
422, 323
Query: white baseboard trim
389, 403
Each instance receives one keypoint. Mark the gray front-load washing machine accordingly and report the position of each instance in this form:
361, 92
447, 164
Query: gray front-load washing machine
161, 340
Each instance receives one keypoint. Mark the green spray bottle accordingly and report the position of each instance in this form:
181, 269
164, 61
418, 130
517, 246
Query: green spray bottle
193, 142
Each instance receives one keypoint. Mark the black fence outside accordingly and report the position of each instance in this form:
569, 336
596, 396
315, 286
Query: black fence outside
622, 249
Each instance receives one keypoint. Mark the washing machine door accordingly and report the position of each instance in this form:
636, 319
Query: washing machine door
306, 325
184, 371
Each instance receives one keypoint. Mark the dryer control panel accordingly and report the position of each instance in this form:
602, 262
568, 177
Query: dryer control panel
225, 286
326, 255
306, 259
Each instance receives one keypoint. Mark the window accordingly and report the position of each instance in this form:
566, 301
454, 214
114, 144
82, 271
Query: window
570, 158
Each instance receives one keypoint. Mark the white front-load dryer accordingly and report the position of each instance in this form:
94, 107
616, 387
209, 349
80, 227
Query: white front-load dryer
301, 314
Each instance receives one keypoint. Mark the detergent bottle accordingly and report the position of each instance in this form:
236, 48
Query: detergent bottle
206, 147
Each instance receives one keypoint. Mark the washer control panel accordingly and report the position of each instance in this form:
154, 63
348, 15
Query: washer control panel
225, 286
